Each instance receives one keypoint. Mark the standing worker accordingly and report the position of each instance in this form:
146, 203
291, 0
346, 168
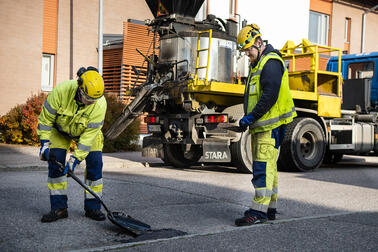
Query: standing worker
74, 110
268, 107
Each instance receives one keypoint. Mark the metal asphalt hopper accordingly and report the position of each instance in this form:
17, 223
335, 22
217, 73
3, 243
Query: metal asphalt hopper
130, 225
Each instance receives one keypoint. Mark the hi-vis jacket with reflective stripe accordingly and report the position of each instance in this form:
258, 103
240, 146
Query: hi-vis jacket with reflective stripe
283, 111
62, 113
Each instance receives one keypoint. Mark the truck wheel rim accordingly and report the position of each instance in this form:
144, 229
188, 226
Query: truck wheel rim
308, 142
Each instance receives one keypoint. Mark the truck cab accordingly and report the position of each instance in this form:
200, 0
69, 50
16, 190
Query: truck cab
355, 68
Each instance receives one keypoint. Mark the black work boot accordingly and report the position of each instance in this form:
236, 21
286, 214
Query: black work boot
249, 219
55, 215
271, 213
95, 215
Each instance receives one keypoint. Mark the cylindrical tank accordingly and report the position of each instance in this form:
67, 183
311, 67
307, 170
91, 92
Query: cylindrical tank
222, 63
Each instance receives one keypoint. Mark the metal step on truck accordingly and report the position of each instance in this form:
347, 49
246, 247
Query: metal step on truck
194, 98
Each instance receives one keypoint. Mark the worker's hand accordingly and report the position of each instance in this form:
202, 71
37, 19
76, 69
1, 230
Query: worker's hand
245, 122
44, 150
71, 164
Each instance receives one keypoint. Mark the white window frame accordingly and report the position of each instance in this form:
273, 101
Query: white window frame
47, 80
321, 33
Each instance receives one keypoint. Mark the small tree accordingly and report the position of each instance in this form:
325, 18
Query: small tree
127, 140
19, 125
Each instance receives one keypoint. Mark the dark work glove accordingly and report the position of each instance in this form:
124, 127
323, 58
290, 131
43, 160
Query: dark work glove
245, 122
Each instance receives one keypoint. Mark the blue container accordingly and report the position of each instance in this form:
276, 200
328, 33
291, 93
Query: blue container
359, 66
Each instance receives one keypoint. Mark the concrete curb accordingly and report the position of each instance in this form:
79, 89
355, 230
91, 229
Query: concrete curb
18, 168
107, 167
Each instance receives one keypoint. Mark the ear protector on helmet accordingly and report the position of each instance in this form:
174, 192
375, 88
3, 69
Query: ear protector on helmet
82, 70
247, 36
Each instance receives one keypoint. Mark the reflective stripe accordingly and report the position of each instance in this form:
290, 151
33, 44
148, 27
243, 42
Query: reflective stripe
44, 127
273, 120
57, 186
273, 204
90, 196
49, 108
95, 125
259, 207
94, 182
58, 192
263, 193
97, 189
96, 186
83, 147
57, 180
258, 72
275, 190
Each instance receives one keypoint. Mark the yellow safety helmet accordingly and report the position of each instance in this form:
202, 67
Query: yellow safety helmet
247, 36
91, 83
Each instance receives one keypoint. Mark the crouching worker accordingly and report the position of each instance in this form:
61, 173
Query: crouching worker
74, 110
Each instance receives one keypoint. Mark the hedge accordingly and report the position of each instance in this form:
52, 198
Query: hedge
19, 125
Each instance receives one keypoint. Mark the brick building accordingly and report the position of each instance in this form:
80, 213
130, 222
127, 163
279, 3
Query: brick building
44, 42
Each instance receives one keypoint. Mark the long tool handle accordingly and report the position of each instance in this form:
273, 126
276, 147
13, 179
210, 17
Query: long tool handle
69, 172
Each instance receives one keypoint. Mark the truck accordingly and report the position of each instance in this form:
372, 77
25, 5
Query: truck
193, 97
356, 133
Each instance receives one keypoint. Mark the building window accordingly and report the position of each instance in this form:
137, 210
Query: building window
347, 30
361, 70
318, 28
47, 72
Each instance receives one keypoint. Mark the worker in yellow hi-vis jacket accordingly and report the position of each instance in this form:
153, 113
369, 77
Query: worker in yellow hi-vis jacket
268, 107
74, 110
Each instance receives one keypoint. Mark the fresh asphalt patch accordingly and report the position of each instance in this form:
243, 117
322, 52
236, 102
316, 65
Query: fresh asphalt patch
154, 235
160, 235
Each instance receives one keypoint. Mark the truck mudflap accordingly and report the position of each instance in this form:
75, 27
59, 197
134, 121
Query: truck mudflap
216, 150
152, 147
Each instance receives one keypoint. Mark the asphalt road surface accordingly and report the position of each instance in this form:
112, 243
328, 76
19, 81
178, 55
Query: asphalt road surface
334, 208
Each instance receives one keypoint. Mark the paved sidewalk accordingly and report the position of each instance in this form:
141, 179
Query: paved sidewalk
22, 157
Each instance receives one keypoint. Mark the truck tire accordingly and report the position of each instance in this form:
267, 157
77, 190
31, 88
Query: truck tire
241, 153
175, 154
332, 158
303, 147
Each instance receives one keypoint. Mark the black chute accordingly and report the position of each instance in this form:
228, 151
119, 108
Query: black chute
184, 8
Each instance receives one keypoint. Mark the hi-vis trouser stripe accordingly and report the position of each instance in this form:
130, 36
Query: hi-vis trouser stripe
265, 177
57, 186
96, 186
274, 197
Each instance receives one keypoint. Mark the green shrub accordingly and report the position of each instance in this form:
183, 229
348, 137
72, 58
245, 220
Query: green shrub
19, 125
128, 139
